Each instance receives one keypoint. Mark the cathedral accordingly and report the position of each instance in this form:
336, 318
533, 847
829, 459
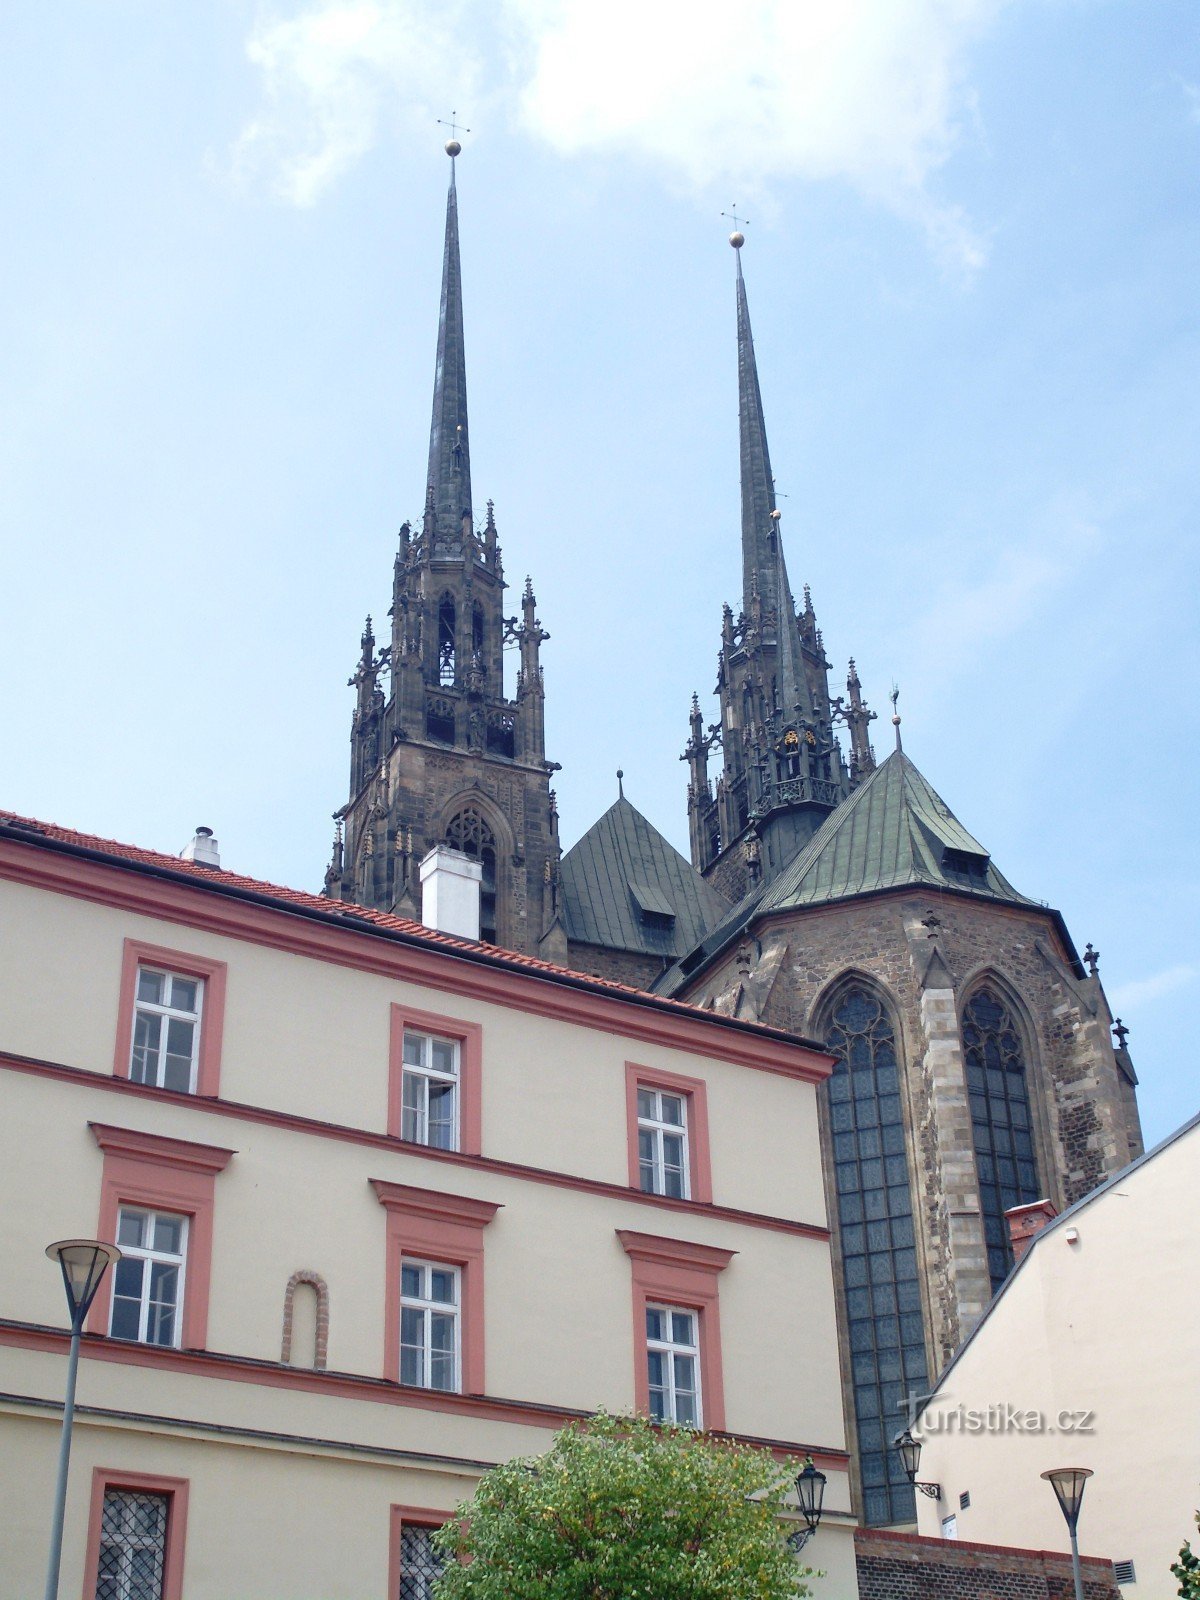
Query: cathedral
829, 894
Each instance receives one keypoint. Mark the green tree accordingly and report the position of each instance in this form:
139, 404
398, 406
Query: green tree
619, 1509
1187, 1570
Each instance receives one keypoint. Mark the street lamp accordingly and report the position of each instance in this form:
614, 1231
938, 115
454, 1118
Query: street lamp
910, 1459
1068, 1484
83, 1263
810, 1492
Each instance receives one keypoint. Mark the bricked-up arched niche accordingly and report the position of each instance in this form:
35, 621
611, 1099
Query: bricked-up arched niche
876, 1236
995, 1056
470, 831
313, 1350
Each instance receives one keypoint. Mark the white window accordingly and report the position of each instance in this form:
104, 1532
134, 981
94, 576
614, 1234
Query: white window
662, 1142
673, 1364
420, 1563
133, 1546
147, 1302
166, 1030
430, 1092
430, 1295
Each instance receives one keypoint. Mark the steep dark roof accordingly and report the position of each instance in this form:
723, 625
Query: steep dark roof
895, 831
627, 888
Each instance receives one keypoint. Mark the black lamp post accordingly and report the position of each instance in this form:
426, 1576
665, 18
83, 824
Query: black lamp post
810, 1493
1068, 1485
910, 1458
83, 1263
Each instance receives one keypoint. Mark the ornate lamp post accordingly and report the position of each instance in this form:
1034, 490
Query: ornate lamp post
810, 1492
83, 1263
910, 1457
1068, 1485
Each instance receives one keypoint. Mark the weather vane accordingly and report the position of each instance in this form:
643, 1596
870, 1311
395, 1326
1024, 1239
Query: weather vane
737, 238
453, 147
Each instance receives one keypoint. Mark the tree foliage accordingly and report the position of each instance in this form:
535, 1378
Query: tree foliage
1187, 1570
619, 1509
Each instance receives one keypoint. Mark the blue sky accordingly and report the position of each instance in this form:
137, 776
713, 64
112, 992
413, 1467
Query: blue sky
972, 265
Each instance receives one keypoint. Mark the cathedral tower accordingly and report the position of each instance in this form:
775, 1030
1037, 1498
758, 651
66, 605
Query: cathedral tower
444, 756
783, 770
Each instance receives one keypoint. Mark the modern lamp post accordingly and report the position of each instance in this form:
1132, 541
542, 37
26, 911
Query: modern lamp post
83, 1262
1068, 1484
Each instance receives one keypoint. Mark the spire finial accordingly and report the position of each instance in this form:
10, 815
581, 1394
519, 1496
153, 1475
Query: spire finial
453, 147
895, 696
620, 784
737, 238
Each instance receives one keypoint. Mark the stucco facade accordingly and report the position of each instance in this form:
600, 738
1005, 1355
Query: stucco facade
1089, 1357
275, 1423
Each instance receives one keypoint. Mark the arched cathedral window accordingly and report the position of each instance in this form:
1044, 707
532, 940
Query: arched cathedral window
447, 623
469, 831
1000, 1121
885, 1327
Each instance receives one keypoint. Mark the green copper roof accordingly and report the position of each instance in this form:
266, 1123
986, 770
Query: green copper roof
627, 888
893, 831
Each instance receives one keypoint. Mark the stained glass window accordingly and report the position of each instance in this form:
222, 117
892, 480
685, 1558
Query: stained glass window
1000, 1121
879, 1260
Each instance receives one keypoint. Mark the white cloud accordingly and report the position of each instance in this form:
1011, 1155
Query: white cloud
720, 94
1144, 991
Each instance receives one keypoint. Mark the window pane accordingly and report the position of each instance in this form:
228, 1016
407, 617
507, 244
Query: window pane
443, 1286
645, 1104
143, 1063
441, 1115
168, 1233
672, 1109
682, 1328
655, 1323
410, 1281
150, 986
413, 1043
183, 993
445, 1056
131, 1231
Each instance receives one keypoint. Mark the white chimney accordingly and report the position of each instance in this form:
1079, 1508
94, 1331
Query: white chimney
202, 849
450, 892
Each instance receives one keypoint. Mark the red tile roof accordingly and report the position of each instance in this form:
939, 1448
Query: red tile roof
344, 910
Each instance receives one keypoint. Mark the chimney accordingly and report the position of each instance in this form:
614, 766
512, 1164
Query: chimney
202, 849
1025, 1223
450, 892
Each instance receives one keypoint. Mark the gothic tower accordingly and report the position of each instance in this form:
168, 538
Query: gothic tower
444, 756
783, 771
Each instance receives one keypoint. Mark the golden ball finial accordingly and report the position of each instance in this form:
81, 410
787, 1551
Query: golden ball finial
453, 148
737, 240
775, 516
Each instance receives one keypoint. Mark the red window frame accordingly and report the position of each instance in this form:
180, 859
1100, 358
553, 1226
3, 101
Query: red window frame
212, 1016
674, 1272
469, 1038
415, 1516
148, 1170
695, 1093
176, 1491
427, 1226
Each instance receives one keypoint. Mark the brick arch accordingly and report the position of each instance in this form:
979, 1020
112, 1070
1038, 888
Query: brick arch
316, 1282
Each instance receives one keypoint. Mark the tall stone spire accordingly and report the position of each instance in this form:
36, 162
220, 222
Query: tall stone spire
764, 570
449, 445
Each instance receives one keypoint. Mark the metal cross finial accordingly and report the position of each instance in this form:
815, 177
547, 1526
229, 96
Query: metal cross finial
453, 125
895, 696
738, 222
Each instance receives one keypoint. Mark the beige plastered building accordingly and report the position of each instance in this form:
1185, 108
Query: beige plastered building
1089, 1356
297, 1244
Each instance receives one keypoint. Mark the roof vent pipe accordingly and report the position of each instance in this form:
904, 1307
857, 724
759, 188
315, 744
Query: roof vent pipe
202, 849
450, 888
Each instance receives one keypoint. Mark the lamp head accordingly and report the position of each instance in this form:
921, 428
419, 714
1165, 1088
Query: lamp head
910, 1454
810, 1492
83, 1263
1068, 1485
